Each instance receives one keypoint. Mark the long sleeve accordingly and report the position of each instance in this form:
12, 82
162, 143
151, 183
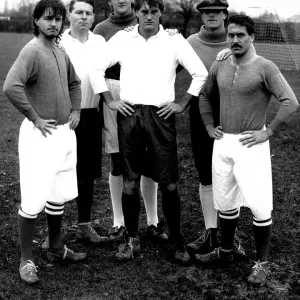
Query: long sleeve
188, 58
23, 71
74, 85
207, 94
109, 57
286, 97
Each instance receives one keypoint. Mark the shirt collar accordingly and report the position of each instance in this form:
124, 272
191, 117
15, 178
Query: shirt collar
67, 36
159, 34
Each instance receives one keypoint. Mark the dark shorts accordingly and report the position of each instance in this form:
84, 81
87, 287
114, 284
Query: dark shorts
202, 144
89, 144
144, 138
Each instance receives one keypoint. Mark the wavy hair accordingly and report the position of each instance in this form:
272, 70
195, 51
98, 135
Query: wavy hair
57, 9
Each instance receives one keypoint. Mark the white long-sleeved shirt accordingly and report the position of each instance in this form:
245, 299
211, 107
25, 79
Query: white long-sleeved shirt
148, 67
83, 57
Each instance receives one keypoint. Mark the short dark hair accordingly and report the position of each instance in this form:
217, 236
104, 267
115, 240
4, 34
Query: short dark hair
58, 9
72, 3
243, 20
152, 3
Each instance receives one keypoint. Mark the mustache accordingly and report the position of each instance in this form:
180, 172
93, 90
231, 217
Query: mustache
236, 45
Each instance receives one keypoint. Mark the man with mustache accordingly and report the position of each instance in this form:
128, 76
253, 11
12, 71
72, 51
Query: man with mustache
241, 165
207, 44
149, 56
43, 86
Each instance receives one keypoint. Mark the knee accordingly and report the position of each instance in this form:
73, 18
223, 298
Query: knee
168, 187
84, 181
130, 187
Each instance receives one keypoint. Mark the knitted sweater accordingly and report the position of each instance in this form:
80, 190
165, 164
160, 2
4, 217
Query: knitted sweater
109, 28
245, 93
208, 44
43, 82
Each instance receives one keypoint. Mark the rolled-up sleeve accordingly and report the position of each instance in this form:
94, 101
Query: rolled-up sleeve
188, 58
109, 57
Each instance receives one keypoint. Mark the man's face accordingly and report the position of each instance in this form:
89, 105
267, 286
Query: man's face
121, 7
239, 40
49, 24
213, 19
81, 17
149, 18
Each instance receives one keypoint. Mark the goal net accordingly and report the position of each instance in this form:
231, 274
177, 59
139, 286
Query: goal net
276, 39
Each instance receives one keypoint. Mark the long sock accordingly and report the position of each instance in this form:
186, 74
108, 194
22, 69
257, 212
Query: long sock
85, 200
172, 210
131, 205
210, 214
26, 233
262, 235
149, 193
228, 223
116, 188
54, 214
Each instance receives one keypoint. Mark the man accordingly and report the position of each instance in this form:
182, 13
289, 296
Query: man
207, 43
146, 119
123, 16
84, 48
241, 166
42, 85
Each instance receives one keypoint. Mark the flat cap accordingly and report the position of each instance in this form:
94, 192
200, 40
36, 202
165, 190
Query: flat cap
212, 4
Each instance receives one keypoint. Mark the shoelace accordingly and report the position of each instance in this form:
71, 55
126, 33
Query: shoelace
257, 267
91, 229
202, 237
155, 230
30, 266
114, 230
66, 251
131, 246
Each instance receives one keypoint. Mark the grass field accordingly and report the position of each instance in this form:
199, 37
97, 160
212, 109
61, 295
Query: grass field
152, 275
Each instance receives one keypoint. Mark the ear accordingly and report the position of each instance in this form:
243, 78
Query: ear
252, 37
36, 21
68, 15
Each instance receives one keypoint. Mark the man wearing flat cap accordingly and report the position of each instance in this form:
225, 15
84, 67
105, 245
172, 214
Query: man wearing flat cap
207, 44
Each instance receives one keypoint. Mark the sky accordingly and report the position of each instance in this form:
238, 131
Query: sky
284, 8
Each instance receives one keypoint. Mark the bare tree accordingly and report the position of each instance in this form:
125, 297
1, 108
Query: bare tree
26, 7
186, 9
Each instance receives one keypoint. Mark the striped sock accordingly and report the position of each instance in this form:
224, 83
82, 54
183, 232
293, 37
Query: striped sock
54, 209
228, 223
54, 214
262, 234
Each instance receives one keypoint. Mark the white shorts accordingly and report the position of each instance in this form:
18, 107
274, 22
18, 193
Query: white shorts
242, 176
110, 119
47, 167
